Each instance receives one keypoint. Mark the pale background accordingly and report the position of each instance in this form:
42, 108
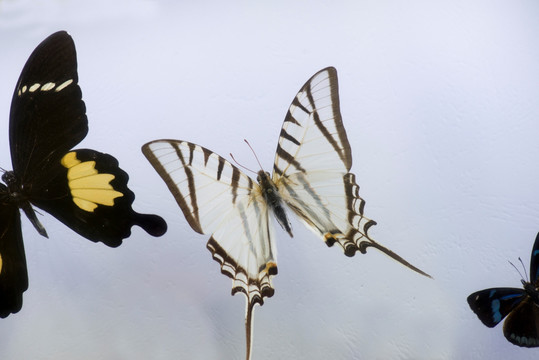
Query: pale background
441, 104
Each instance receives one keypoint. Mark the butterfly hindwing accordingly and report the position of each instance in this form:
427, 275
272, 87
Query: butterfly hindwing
522, 324
219, 200
13, 272
88, 192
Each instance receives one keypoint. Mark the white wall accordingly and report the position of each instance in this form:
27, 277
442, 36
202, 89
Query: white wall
441, 105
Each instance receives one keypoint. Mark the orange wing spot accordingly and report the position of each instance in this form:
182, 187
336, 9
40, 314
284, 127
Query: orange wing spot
271, 268
331, 238
88, 187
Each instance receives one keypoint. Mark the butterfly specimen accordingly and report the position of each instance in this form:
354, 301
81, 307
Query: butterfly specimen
310, 175
84, 189
521, 306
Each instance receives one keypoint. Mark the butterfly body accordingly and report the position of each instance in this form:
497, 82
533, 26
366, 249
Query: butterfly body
532, 290
311, 176
273, 200
83, 188
519, 307
14, 194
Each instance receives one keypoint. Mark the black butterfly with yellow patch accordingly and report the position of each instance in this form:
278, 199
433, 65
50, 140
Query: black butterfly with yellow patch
521, 306
84, 189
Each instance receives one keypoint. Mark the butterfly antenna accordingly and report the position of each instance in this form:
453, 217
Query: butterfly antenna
513, 265
256, 157
240, 165
524, 267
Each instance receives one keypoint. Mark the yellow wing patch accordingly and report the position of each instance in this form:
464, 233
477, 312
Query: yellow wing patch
0, 264
88, 187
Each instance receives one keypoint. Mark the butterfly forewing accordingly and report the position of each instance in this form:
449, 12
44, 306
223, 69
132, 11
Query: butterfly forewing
492, 305
312, 136
218, 199
47, 115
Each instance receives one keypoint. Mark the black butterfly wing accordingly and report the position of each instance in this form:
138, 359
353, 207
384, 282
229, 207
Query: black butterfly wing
88, 192
48, 116
492, 305
522, 325
13, 273
47, 119
534, 262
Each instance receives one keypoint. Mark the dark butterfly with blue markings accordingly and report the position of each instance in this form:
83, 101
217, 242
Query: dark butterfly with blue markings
521, 306
85, 189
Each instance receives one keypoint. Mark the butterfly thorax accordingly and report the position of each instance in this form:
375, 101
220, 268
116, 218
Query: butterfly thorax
274, 200
16, 196
14, 189
532, 290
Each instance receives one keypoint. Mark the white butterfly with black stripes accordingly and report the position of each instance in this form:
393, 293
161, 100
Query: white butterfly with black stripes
310, 175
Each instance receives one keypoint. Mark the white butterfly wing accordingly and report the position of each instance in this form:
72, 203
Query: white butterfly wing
312, 164
219, 200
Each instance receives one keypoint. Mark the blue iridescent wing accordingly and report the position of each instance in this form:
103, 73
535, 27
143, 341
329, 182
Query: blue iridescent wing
492, 305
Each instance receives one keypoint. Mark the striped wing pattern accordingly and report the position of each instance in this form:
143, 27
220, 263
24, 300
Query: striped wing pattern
311, 169
219, 200
312, 166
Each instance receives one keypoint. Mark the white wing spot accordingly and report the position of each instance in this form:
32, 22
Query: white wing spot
34, 87
24, 89
63, 85
48, 86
